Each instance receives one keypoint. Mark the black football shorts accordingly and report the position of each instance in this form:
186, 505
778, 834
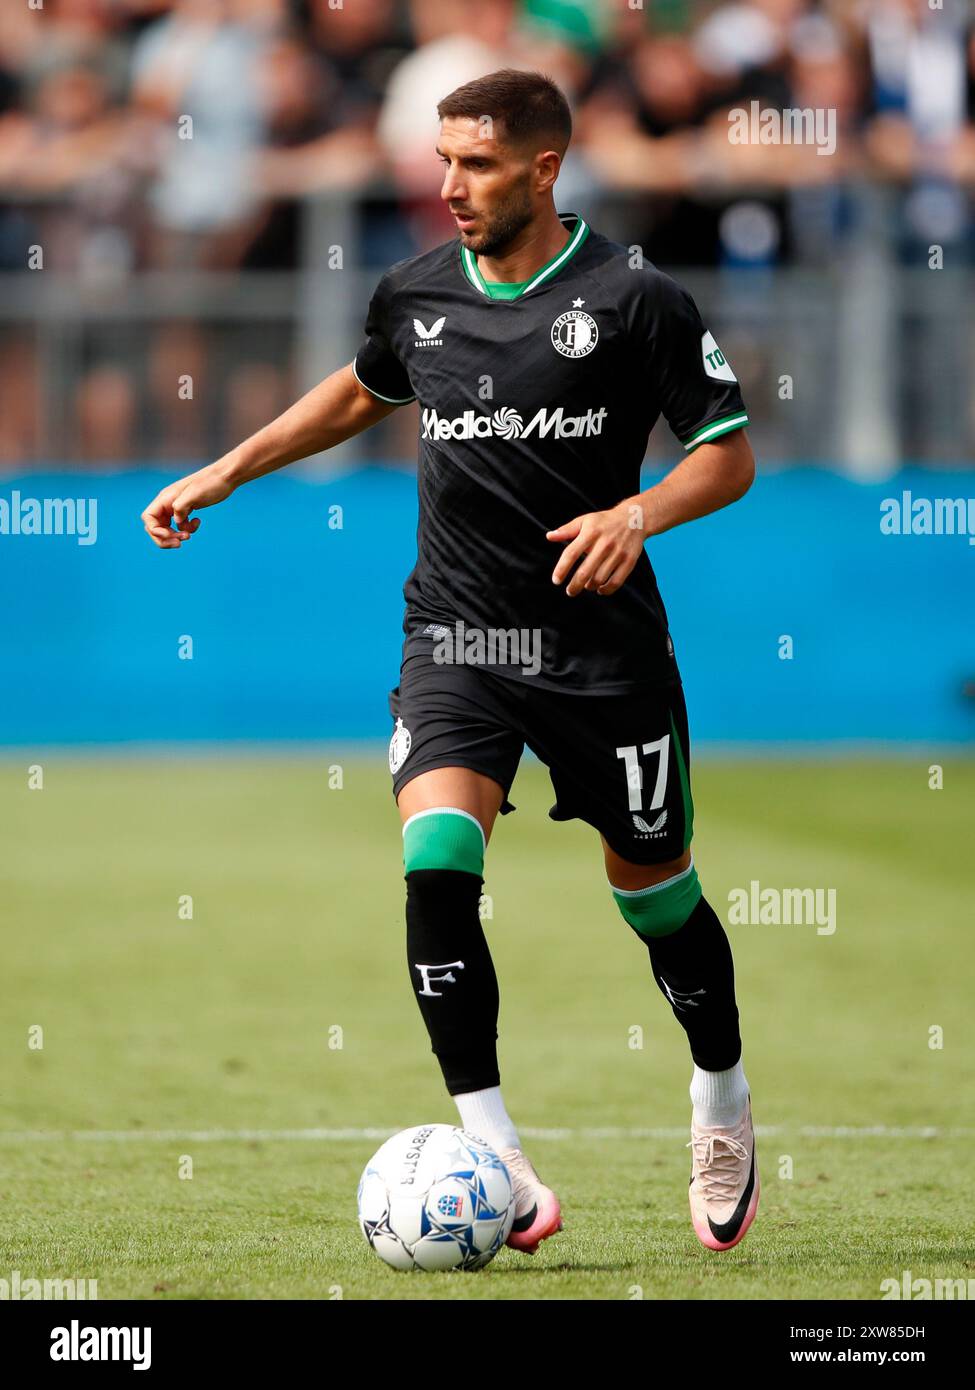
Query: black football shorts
619, 762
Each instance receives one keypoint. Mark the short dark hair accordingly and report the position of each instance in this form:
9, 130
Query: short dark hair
528, 105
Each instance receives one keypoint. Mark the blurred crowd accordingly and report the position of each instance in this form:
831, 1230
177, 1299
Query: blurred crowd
188, 134
157, 133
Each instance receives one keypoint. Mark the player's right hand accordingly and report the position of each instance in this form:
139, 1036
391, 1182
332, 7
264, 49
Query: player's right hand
167, 517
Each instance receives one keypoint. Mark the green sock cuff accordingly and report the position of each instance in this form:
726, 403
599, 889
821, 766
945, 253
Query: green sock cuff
663, 908
444, 838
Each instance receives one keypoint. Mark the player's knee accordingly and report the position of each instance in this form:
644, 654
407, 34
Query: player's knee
662, 908
444, 837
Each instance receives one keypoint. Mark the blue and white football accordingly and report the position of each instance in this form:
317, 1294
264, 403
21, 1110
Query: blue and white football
436, 1197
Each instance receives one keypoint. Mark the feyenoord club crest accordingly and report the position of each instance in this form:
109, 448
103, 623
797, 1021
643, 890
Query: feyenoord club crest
399, 746
574, 334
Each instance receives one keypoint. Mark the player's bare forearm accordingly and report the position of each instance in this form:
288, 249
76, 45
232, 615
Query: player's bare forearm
712, 477
604, 546
335, 410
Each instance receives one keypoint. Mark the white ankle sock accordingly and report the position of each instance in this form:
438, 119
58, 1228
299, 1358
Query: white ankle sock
718, 1097
483, 1113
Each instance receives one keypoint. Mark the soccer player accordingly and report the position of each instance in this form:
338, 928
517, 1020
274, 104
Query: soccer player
541, 354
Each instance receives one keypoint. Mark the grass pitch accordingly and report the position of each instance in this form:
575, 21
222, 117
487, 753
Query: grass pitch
267, 1043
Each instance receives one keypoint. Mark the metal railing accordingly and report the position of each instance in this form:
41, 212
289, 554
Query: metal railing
857, 365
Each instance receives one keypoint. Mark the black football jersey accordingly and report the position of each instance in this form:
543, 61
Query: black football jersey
535, 408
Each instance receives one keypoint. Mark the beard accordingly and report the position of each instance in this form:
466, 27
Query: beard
506, 222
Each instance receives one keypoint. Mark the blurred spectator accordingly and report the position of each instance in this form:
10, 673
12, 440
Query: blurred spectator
20, 400
256, 393
921, 133
178, 385
72, 156
106, 416
197, 72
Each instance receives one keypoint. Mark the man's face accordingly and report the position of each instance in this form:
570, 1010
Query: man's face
487, 183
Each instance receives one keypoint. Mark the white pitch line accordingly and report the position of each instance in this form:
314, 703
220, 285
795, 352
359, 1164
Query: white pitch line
215, 1136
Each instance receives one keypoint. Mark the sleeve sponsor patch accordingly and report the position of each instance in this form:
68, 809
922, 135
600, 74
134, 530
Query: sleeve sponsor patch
714, 361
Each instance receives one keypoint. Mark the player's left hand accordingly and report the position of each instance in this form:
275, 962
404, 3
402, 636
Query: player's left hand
608, 544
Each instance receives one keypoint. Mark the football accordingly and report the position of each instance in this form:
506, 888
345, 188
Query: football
436, 1197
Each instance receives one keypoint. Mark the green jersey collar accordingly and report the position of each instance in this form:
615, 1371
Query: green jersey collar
469, 261
504, 289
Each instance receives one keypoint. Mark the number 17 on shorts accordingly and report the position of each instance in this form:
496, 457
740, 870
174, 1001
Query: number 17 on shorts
655, 782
